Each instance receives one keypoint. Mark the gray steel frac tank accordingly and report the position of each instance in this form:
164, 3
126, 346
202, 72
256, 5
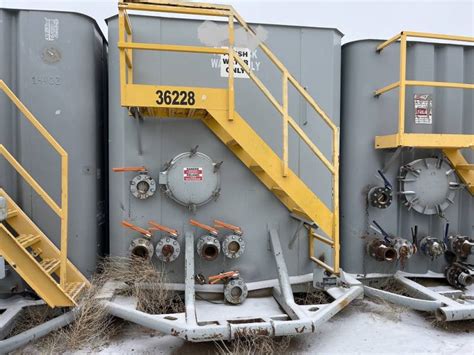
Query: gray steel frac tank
363, 117
56, 63
311, 54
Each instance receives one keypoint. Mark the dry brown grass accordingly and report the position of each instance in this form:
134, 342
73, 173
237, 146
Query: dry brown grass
93, 326
312, 296
254, 344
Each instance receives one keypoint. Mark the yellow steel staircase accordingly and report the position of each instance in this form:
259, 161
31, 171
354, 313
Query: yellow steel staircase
216, 108
25, 247
450, 144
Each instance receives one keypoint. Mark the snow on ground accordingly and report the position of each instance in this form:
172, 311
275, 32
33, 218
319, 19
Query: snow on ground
363, 327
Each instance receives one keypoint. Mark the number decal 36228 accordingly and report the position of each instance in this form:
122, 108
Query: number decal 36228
185, 98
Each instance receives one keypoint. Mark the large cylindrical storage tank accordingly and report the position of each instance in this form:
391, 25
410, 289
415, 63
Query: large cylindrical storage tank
56, 63
364, 117
312, 55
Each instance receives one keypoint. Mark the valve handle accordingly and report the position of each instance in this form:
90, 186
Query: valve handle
386, 237
138, 229
223, 275
159, 227
130, 168
414, 235
446, 232
204, 226
220, 224
385, 180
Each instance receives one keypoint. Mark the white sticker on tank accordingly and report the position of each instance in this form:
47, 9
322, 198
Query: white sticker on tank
423, 108
246, 55
192, 174
51, 29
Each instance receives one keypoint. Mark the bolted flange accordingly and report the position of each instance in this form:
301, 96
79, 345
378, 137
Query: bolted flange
208, 247
142, 186
168, 249
233, 246
141, 248
235, 291
380, 197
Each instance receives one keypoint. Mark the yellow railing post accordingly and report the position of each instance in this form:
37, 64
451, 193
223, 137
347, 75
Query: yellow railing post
285, 122
403, 77
231, 68
122, 56
64, 219
335, 199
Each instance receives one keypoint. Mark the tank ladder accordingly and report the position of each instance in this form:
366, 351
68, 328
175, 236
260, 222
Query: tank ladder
451, 145
43, 266
216, 108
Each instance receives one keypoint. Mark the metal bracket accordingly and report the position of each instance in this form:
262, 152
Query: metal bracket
322, 281
138, 119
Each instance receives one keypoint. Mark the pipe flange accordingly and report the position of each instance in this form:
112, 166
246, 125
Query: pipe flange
380, 197
233, 246
141, 248
432, 247
167, 249
380, 250
235, 291
459, 276
461, 245
142, 186
405, 249
208, 247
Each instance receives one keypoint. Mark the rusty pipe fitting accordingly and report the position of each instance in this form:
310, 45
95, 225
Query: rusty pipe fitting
380, 250
208, 247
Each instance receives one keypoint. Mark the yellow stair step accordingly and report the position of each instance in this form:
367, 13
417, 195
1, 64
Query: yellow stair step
12, 213
255, 168
73, 289
27, 240
50, 265
231, 143
278, 190
465, 166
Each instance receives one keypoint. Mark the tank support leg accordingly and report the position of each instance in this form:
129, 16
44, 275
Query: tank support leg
284, 293
190, 292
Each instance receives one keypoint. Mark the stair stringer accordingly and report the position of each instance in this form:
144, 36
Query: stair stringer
251, 149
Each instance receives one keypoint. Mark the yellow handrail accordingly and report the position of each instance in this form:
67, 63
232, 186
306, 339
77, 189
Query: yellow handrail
402, 83
127, 46
62, 211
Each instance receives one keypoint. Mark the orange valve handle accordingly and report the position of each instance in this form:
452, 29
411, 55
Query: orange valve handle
223, 275
159, 227
145, 232
204, 226
220, 224
130, 168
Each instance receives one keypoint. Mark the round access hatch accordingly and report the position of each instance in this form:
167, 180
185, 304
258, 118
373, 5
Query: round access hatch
428, 185
192, 179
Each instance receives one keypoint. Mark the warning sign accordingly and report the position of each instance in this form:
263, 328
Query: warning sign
239, 72
423, 109
192, 174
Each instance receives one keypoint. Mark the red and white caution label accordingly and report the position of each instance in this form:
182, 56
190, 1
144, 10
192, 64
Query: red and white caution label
423, 108
192, 174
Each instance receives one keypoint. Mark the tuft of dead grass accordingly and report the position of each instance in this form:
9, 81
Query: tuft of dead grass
250, 344
312, 296
93, 326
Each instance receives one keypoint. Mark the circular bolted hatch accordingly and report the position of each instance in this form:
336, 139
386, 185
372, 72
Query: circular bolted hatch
192, 179
428, 185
